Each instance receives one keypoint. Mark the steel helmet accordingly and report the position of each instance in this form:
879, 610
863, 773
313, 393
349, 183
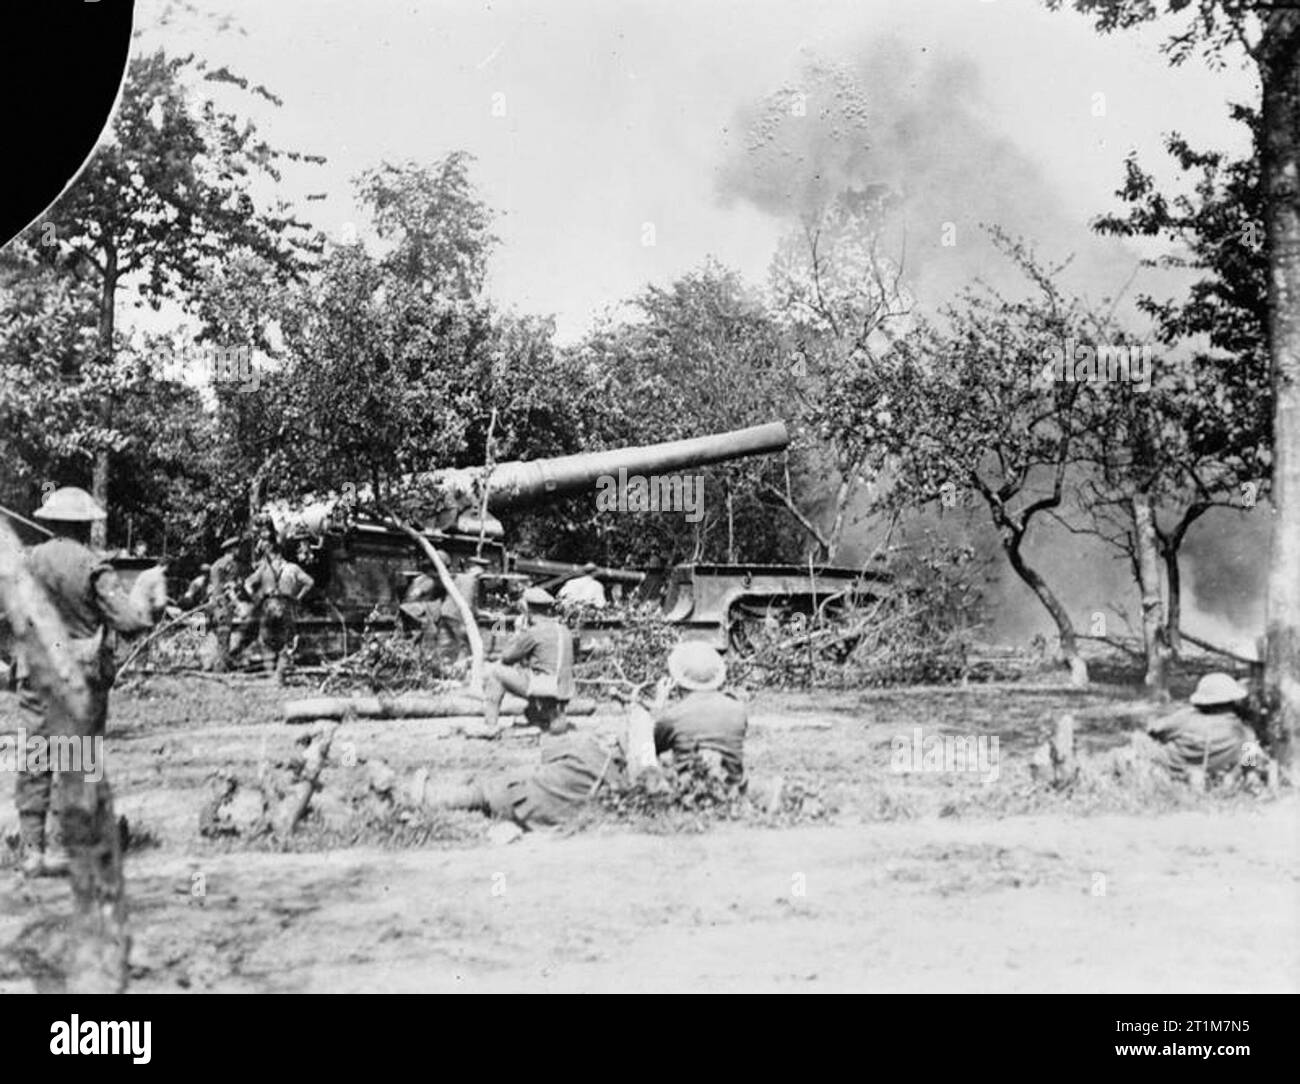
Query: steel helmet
697, 666
70, 505
1218, 688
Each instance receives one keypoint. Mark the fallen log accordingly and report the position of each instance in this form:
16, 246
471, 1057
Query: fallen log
299, 797
448, 705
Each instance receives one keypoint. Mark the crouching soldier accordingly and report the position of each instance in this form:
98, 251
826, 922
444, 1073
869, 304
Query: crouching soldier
543, 652
91, 601
1208, 737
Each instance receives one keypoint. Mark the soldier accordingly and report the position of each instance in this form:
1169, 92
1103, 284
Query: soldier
573, 769
224, 586
265, 537
543, 647
90, 600
705, 719
278, 585
1209, 735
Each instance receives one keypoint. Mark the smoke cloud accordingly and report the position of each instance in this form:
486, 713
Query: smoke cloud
892, 116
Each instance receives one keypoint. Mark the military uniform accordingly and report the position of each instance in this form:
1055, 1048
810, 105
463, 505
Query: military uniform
705, 721
277, 584
225, 579
90, 601
573, 769
545, 652
545, 648
1190, 739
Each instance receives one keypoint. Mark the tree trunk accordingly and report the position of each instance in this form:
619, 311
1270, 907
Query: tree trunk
458, 600
1148, 569
1280, 173
257, 493
731, 529
1174, 607
1064, 626
100, 477
843, 495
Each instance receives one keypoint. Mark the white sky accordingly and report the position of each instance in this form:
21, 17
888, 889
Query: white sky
618, 114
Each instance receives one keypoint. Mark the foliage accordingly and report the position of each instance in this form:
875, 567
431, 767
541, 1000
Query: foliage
167, 196
917, 629
636, 652
386, 663
700, 356
439, 229
1219, 414
48, 424
967, 408
688, 795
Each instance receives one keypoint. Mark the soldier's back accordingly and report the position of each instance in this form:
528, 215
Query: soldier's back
67, 570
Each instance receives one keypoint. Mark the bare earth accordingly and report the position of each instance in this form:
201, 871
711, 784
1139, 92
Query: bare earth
886, 895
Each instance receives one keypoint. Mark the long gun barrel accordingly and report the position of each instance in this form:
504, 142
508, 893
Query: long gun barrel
521, 482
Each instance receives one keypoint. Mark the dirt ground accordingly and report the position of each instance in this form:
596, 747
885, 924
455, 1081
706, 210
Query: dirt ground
915, 882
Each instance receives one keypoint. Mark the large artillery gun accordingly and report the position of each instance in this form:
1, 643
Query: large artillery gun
363, 565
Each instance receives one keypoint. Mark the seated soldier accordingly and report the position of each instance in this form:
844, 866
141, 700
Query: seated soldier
705, 719
1208, 734
573, 768
543, 648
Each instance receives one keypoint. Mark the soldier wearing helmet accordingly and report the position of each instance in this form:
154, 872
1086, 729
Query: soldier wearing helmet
701, 718
1209, 734
90, 600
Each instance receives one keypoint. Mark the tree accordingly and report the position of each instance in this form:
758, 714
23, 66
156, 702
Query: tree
842, 301
1215, 448
383, 353
960, 409
1270, 37
439, 228
48, 428
166, 196
702, 355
